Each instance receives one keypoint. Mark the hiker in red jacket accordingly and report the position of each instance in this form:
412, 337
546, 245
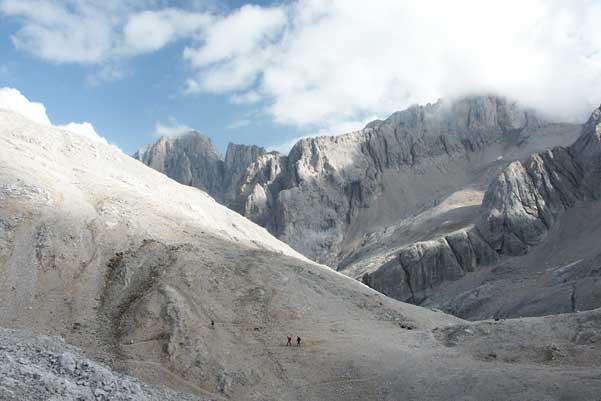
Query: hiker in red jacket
289, 343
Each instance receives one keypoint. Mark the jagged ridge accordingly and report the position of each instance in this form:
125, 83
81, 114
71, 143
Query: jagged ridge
518, 210
323, 194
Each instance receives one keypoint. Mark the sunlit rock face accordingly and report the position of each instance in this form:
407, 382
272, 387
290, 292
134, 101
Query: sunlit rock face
329, 192
520, 209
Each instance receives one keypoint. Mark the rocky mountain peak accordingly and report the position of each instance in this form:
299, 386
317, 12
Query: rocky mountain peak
521, 209
332, 190
191, 159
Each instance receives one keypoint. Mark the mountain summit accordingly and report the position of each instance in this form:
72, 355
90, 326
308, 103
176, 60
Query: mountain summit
329, 193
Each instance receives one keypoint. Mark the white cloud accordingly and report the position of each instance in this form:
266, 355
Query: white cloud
336, 61
12, 99
239, 124
78, 31
237, 34
93, 32
149, 31
317, 64
236, 48
85, 129
171, 128
249, 97
106, 73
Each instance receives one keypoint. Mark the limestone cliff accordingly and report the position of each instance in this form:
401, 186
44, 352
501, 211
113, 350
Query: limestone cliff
519, 209
319, 197
192, 159
329, 192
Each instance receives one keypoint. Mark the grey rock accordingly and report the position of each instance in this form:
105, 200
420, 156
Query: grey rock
39, 377
519, 209
521, 205
190, 159
420, 267
67, 362
313, 199
145, 264
237, 160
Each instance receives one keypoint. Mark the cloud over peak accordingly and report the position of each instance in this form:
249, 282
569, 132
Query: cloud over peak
171, 128
318, 64
11, 99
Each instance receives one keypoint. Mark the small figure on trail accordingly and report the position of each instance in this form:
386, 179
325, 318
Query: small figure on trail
289, 343
298, 340
212, 324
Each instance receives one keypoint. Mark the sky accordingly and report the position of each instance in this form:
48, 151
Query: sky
269, 72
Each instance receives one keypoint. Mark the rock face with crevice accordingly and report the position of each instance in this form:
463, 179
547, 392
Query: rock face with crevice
414, 274
192, 159
518, 211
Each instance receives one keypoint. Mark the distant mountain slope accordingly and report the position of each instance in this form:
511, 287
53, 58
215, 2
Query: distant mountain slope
531, 202
330, 193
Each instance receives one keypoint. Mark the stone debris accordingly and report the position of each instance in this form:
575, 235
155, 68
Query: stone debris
45, 368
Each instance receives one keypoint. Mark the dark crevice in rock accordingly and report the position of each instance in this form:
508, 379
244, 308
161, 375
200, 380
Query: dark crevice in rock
408, 280
459, 261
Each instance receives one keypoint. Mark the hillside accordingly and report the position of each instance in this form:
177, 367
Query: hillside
131, 267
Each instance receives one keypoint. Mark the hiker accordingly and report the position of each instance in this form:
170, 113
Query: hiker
298, 340
212, 324
289, 343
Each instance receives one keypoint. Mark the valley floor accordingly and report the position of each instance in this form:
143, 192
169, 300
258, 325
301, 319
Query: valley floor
538, 359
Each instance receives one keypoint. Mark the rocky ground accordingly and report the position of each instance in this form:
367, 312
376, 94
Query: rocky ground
45, 368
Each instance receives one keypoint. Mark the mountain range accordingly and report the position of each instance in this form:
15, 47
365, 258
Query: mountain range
468, 209
406, 204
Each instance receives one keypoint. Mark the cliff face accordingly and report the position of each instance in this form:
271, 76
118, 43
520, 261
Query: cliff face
521, 206
325, 184
329, 192
193, 160
526, 200
237, 159
190, 159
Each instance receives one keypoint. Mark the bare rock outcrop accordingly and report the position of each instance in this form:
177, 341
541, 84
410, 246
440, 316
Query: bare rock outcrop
46, 368
160, 281
325, 183
190, 159
526, 200
329, 191
518, 210
237, 160
419, 268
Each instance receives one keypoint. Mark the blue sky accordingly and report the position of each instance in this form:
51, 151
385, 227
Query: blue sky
268, 73
126, 110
